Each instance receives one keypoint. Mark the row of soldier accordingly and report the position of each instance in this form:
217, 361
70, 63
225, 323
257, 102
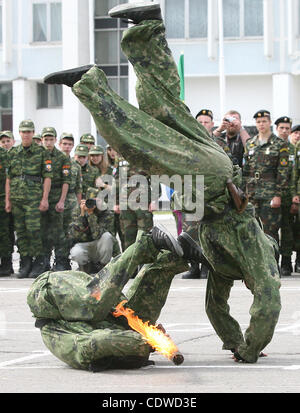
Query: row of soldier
271, 175
43, 203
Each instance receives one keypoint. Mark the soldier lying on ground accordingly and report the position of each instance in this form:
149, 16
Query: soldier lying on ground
162, 137
80, 329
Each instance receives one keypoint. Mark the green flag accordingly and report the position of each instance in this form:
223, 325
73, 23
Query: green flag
181, 75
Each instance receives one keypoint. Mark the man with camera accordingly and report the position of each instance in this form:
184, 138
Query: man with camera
93, 244
231, 136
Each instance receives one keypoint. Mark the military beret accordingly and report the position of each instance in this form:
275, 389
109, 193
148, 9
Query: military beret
295, 128
283, 119
37, 136
205, 112
96, 150
261, 114
7, 133
49, 131
26, 125
87, 138
67, 135
82, 150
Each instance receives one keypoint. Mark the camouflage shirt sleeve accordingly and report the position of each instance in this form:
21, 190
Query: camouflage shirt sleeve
282, 180
66, 170
47, 171
296, 172
101, 223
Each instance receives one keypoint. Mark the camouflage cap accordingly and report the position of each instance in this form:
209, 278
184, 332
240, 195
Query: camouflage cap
37, 136
87, 138
96, 150
7, 133
66, 135
82, 150
49, 131
91, 193
26, 126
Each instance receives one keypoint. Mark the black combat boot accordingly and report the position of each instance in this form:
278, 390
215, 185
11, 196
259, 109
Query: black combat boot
193, 273
62, 264
67, 77
192, 250
6, 267
286, 267
137, 12
297, 262
164, 240
39, 266
25, 267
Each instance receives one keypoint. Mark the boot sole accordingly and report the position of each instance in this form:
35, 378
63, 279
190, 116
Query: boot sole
55, 77
175, 243
134, 7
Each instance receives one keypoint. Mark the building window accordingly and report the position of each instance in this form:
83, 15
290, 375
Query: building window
5, 106
49, 96
243, 18
1, 26
185, 18
108, 53
47, 21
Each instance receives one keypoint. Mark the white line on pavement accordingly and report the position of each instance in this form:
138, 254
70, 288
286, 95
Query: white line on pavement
26, 358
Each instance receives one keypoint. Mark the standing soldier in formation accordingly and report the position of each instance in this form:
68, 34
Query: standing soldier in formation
283, 129
88, 140
295, 138
89, 173
6, 245
37, 138
27, 188
265, 173
74, 195
52, 220
7, 141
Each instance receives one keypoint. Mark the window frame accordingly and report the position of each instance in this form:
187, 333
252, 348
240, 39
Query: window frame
38, 106
48, 17
241, 36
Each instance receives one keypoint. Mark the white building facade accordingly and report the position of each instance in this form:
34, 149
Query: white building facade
261, 65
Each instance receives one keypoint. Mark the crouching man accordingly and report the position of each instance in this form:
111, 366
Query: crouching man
91, 234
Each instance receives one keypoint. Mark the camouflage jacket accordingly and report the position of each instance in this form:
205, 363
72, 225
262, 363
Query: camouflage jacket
88, 228
26, 169
233, 147
3, 161
89, 174
266, 171
296, 172
61, 168
287, 194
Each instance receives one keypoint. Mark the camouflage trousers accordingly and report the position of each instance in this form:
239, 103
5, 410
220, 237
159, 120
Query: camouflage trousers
290, 230
81, 329
270, 217
133, 221
53, 235
6, 240
27, 221
164, 138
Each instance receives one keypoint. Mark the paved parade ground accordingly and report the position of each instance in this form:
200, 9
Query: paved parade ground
26, 366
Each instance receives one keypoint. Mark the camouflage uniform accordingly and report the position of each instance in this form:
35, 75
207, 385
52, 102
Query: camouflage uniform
80, 330
26, 170
53, 234
89, 174
131, 220
6, 244
288, 220
265, 175
296, 192
75, 188
162, 137
91, 237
